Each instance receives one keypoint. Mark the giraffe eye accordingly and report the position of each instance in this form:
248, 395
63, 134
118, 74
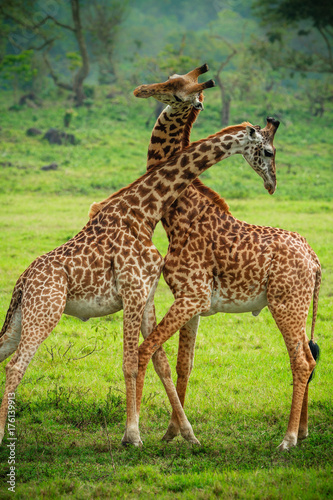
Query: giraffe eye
177, 98
267, 153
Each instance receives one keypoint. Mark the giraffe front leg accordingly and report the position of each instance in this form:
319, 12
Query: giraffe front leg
160, 362
159, 358
182, 310
185, 358
133, 304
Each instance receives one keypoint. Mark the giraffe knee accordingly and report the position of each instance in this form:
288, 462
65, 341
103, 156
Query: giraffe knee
303, 366
161, 365
130, 369
184, 369
311, 356
13, 376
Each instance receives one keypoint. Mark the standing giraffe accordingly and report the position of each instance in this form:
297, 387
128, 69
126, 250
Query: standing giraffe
112, 264
216, 263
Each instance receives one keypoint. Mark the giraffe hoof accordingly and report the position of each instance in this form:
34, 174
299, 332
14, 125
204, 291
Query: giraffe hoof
138, 444
195, 441
302, 434
171, 433
189, 436
283, 447
287, 443
131, 438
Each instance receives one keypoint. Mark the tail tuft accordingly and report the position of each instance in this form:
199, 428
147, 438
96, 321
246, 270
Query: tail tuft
315, 351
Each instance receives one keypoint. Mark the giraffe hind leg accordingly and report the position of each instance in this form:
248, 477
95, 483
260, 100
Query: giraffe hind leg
302, 364
15, 370
303, 425
290, 317
39, 317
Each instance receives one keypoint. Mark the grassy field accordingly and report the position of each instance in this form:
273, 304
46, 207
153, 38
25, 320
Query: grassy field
240, 390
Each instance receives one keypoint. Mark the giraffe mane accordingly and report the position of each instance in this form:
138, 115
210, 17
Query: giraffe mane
197, 183
211, 195
96, 207
189, 124
225, 131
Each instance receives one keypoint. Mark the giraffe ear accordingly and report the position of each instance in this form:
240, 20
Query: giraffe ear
252, 133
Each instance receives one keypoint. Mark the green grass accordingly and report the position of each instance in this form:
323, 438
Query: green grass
238, 399
113, 142
239, 394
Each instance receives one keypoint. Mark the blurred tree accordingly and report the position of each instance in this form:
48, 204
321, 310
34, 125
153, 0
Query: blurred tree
18, 69
83, 68
169, 61
309, 21
319, 94
230, 59
103, 21
21, 28
33, 28
226, 85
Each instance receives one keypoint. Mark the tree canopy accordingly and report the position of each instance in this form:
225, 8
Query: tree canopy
81, 43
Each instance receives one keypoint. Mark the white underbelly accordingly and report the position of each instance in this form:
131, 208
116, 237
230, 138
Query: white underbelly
227, 305
93, 307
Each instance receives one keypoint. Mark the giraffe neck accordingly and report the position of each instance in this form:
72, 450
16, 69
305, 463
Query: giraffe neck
150, 197
168, 133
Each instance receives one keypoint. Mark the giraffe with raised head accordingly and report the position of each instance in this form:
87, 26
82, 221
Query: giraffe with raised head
112, 264
216, 263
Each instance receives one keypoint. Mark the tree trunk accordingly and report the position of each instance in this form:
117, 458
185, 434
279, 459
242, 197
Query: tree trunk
225, 111
84, 69
226, 102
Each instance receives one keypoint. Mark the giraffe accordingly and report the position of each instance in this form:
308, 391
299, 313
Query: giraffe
216, 263
112, 264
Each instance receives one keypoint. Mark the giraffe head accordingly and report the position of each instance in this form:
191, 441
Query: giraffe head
260, 152
178, 90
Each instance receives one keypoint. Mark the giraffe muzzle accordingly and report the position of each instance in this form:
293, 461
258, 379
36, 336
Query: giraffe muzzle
270, 186
198, 105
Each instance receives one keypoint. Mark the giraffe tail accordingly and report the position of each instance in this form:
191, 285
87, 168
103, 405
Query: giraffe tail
314, 347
